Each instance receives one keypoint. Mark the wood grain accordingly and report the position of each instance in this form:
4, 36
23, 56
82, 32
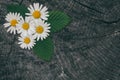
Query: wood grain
87, 49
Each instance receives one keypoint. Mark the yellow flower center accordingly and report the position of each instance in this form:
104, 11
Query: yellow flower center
36, 14
25, 26
27, 40
39, 29
13, 22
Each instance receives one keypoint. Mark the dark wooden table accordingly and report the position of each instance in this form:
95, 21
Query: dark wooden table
87, 49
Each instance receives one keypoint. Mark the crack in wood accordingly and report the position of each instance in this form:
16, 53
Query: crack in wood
84, 5
109, 22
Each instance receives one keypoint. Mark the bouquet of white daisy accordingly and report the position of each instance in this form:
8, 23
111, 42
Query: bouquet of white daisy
34, 25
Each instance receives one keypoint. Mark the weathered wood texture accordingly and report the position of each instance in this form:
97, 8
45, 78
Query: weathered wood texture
87, 49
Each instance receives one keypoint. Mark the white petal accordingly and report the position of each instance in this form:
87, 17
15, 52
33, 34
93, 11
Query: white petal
7, 24
31, 8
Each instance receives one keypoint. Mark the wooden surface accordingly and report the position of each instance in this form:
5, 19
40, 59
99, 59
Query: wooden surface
87, 49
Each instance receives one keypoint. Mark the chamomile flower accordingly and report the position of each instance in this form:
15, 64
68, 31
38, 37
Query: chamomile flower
37, 11
41, 30
26, 42
12, 21
26, 27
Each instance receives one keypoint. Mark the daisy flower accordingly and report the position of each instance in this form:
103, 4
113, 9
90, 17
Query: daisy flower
26, 42
12, 21
41, 30
26, 27
37, 11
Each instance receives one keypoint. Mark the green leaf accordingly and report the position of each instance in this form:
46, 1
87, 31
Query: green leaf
17, 8
58, 20
44, 49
